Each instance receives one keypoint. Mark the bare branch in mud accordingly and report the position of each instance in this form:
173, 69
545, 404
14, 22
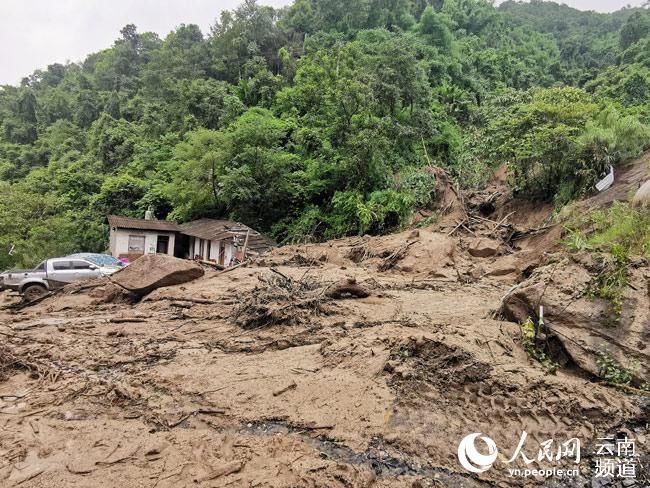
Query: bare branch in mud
285, 389
398, 254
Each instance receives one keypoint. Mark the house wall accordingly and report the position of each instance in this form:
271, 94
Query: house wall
195, 248
119, 241
229, 252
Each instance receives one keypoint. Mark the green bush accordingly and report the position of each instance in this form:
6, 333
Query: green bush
558, 142
611, 371
420, 183
620, 226
618, 232
610, 283
530, 346
381, 211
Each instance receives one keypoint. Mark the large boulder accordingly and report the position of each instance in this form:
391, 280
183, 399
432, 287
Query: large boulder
642, 196
153, 271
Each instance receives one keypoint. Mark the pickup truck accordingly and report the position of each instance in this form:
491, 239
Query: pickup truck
52, 274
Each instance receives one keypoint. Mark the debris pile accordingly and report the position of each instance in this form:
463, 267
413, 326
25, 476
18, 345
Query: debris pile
389, 255
279, 299
10, 362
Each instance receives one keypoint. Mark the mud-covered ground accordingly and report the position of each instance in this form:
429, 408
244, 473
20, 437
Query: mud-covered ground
262, 377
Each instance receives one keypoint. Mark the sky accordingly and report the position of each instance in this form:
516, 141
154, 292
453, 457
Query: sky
35, 33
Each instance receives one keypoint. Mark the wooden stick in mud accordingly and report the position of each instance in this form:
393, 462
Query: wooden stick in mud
291, 386
457, 227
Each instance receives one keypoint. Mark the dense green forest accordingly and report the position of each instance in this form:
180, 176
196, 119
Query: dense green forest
320, 120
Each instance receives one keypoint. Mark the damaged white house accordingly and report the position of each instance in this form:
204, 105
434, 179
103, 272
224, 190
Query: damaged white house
221, 241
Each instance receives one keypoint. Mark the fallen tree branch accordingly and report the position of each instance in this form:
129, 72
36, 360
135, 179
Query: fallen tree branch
228, 468
290, 386
212, 264
228, 270
206, 411
126, 320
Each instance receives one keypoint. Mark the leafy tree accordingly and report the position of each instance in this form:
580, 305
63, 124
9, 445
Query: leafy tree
112, 141
636, 28
213, 104
243, 170
629, 85
558, 142
321, 119
435, 28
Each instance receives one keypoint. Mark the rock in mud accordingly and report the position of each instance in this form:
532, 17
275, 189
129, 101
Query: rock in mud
503, 266
154, 271
484, 248
347, 288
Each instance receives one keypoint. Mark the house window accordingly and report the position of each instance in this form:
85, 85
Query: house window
136, 244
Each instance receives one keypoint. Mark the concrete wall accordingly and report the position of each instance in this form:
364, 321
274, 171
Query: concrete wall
119, 241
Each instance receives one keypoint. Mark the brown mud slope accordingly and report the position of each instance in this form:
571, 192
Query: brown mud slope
360, 362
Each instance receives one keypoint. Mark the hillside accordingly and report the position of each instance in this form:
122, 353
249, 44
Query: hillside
321, 120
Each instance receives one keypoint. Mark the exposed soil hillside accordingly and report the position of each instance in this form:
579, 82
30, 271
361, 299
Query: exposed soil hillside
354, 363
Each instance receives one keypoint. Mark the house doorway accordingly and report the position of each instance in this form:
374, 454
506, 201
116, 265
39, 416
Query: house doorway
162, 245
182, 247
222, 253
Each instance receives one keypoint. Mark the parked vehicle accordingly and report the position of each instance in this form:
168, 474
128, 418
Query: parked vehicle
11, 280
52, 274
101, 260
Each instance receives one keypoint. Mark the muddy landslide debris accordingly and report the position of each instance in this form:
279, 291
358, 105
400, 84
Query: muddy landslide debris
355, 363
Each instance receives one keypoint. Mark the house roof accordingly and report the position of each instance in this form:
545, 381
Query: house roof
142, 224
217, 230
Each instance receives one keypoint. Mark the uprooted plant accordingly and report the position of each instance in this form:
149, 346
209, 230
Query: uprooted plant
10, 362
530, 344
610, 283
279, 299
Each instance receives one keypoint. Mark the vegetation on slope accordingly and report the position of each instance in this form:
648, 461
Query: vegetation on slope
322, 119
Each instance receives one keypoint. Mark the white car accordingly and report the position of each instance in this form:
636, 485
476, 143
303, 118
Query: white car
55, 273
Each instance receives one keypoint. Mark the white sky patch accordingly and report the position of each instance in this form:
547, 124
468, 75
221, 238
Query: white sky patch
35, 33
